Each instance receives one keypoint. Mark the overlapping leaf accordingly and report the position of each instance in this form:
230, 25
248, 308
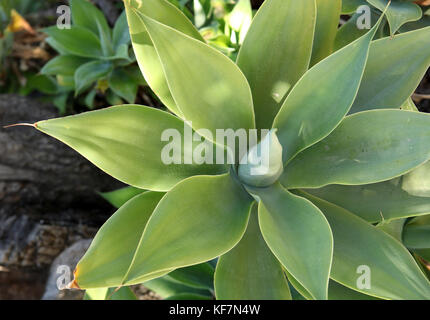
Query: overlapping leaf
250, 271
393, 143
272, 61
214, 210
394, 69
199, 276
123, 293
90, 72
123, 85
314, 107
416, 234
63, 64
328, 15
298, 235
70, 41
398, 13
204, 83
417, 182
125, 141
119, 197
394, 274
112, 250
376, 202
146, 55
168, 289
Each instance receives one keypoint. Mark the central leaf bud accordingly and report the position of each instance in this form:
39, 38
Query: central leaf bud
263, 165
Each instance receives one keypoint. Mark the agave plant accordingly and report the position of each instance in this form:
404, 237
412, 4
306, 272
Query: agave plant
93, 58
341, 150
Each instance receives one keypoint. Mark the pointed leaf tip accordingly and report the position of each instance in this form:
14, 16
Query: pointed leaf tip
20, 125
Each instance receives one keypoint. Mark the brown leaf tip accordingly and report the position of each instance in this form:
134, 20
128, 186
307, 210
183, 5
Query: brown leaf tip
73, 285
21, 125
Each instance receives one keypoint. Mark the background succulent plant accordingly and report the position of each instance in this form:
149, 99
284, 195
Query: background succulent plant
93, 57
347, 151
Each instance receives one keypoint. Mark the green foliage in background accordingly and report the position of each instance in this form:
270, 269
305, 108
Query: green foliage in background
346, 183
93, 58
222, 23
402, 16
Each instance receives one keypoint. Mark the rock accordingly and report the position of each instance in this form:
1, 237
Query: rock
61, 273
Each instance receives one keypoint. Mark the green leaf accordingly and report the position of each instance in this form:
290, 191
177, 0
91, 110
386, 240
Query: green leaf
42, 83
121, 35
146, 55
398, 13
123, 85
213, 84
394, 228
87, 16
417, 182
392, 143
165, 288
315, 108
122, 56
336, 291
298, 235
409, 105
350, 6
349, 31
123, 293
71, 41
199, 276
416, 233
250, 271
112, 98
240, 19
213, 206
376, 202
423, 253
111, 252
89, 73
328, 16
411, 26
394, 70
64, 65
272, 61
124, 141
66, 82
90, 98
119, 197
188, 296
298, 288
60, 101
394, 274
